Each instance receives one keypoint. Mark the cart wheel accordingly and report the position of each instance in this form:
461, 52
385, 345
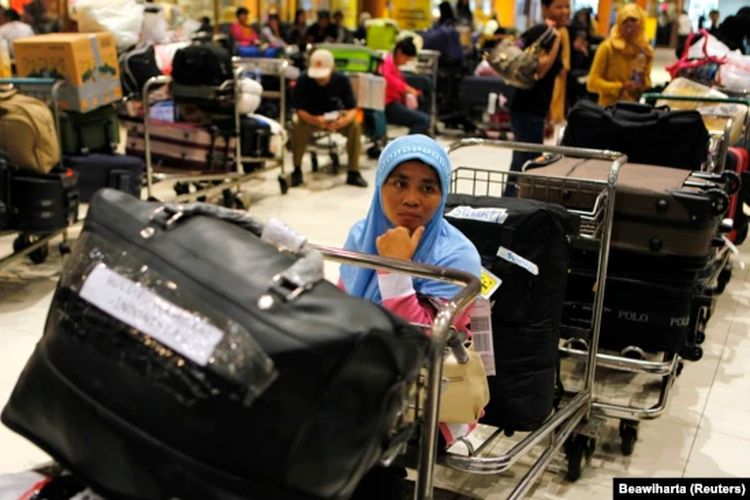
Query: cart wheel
314, 161
181, 188
719, 201
628, 436
64, 248
741, 232
335, 163
576, 447
283, 184
724, 276
680, 367
24, 241
691, 352
700, 337
732, 181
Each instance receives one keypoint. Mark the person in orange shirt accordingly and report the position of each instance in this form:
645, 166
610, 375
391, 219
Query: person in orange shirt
242, 32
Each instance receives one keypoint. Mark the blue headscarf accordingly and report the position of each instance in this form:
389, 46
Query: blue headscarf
441, 244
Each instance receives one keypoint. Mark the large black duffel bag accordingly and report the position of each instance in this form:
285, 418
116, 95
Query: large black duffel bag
528, 306
654, 136
171, 367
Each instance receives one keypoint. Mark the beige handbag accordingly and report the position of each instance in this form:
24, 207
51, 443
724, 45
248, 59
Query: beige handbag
465, 391
27, 132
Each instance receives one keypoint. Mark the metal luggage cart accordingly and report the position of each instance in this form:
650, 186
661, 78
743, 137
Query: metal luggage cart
440, 334
427, 65
262, 66
227, 183
32, 244
572, 424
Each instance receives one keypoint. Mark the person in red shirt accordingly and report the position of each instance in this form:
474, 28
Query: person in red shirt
242, 32
397, 91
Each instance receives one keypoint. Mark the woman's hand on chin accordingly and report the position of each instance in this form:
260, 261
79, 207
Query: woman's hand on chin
397, 243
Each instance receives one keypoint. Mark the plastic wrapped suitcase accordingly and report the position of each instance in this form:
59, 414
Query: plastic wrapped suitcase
528, 305
658, 210
180, 145
98, 171
173, 366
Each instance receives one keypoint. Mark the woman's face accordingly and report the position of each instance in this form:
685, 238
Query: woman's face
411, 195
558, 11
630, 28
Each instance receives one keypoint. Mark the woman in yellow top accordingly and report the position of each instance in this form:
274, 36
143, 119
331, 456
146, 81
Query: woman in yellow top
622, 64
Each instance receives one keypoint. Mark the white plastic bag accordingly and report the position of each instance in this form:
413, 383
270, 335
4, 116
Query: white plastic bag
155, 27
715, 48
734, 74
121, 17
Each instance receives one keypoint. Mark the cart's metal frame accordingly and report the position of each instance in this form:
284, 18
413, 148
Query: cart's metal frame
217, 182
595, 234
46, 89
439, 335
265, 67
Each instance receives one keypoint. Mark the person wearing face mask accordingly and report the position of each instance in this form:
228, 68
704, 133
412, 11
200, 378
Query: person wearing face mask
622, 64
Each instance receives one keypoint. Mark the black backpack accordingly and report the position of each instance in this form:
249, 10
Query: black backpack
203, 64
136, 67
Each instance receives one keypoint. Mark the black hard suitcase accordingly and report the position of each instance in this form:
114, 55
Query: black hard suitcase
43, 202
97, 171
655, 136
658, 210
649, 303
96, 131
256, 389
527, 308
475, 90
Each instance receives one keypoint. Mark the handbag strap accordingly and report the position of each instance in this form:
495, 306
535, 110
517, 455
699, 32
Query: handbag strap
287, 285
543, 37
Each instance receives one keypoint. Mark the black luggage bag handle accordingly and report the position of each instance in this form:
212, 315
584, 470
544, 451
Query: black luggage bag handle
286, 285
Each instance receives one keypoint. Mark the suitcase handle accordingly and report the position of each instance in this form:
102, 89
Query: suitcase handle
286, 285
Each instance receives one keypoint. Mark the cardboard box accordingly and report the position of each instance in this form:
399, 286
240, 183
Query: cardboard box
87, 62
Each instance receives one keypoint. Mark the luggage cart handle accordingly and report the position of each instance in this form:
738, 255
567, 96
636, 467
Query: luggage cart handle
653, 97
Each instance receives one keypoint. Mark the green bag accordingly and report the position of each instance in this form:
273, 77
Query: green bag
97, 131
381, 34
352, 58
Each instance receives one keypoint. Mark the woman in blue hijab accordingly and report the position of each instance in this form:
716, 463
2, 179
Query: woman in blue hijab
406, 221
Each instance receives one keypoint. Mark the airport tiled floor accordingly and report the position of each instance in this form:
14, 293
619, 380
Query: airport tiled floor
704, 431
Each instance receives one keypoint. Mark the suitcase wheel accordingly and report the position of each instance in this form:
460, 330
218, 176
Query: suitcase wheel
691, 352
731, 181
23, 241
314, 161
719, 200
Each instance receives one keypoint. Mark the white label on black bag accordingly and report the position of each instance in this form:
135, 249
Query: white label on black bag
141, 308
496, 215
481, 334
514, 258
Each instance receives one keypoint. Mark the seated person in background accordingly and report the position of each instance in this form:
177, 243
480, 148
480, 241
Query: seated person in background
360, 33
405, 221
271, 32
242, 33
324, 100
322, 31
397, 91
295, 34
12, 28
342, 34
622, 64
